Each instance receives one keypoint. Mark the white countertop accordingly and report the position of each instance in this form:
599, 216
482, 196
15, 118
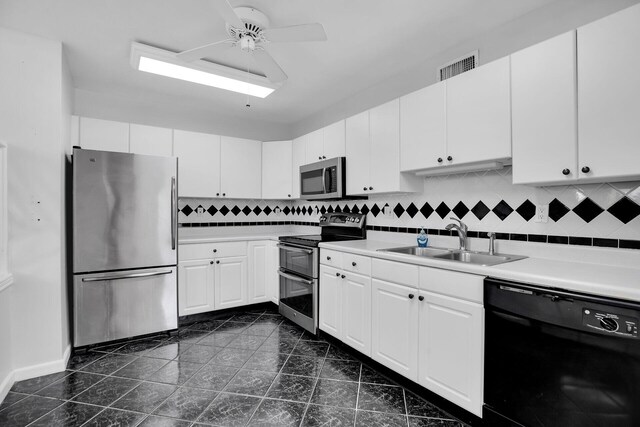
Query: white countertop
607, 280
238, 234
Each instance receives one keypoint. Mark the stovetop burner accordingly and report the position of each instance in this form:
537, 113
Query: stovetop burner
335, 227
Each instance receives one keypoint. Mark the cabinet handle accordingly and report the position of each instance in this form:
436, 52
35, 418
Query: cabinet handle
224, 194
353, 263
217, 194
319, 157
328, 258
439, 159
370, 188
411, 296
215, 250
218, 262
566, 171
586, 169
324, 157
337, 274
210, 262
343, 276
288, 195
364, 188
449, 158
421, 298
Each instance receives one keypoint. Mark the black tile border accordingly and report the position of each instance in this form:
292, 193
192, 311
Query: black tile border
245, 224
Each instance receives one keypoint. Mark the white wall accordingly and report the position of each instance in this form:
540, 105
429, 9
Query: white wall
31, 123
541, 24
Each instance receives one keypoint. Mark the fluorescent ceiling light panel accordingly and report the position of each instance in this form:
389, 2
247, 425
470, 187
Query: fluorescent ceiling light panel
164, 63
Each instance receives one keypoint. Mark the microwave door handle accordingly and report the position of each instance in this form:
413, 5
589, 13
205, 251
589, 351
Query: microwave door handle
327, 177
324, 182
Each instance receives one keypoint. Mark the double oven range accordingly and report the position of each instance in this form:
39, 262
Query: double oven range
300, 265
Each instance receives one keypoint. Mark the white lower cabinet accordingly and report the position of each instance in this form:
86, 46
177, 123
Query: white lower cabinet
330, 301
263, 272
451, 349
356, 312
231, 282
195, 287
394, 327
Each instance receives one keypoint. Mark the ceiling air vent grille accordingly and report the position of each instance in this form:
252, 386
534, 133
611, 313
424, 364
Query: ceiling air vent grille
458, 66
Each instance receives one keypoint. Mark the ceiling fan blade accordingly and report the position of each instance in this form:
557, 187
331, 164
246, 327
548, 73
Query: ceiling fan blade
269, 66
296, 33
204, 51
226, 12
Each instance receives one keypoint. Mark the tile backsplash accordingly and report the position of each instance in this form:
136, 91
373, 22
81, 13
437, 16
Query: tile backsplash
485, 201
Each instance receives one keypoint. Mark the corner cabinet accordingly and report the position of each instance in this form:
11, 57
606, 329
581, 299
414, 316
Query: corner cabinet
263, 272
373, 153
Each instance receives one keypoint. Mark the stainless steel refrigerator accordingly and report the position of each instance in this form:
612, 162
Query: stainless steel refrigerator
124, 245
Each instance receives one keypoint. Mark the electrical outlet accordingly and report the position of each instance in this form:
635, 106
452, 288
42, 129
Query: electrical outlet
542, 214
199, 211
387, 211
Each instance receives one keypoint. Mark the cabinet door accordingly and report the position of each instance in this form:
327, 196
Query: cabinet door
104, 135
384, 125
257, 286
356, 312
330, 301
273, 279
241, 168
544, 111
394, 327
198, 163
195, 287
298, 148
479, 114
451, 349
230, 282
150, 140
334, 136
314, 146
608, 94
357, 153
276, 179
423, 128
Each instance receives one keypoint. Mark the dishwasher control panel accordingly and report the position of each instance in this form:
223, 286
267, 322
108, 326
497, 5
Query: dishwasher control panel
610, 322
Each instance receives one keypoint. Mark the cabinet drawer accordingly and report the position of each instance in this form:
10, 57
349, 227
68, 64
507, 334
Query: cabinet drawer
212, 250
332, 258
356, 263
452, 283
395, 272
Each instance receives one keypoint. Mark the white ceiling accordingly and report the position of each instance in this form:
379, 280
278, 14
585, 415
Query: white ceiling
368, 42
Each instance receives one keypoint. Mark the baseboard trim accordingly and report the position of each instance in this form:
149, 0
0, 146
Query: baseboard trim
6, 385
43, 368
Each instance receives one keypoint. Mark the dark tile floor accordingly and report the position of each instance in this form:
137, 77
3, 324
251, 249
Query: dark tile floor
250, 368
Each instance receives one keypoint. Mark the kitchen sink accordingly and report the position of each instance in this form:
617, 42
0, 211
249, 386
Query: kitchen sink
469, 257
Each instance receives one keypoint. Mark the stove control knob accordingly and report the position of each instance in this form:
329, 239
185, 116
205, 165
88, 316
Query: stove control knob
357, 220
609, 324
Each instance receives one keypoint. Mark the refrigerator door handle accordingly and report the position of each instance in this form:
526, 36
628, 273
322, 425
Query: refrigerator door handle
126, 276
174, 210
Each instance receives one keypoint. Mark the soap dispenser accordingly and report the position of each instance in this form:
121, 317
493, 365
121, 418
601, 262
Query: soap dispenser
422, 239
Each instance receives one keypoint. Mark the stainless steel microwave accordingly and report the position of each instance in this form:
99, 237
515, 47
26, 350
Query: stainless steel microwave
323, 180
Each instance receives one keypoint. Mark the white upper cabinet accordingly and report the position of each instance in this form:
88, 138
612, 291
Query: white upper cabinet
298, 148
608, 94
315, 146
240, 168
198, 163
96, 134
423, 128
334, 140
544, 112
373, 152
276, 180
479, 114
150, 140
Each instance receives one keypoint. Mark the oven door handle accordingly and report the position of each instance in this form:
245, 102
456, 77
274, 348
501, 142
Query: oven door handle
295, 278
295, 249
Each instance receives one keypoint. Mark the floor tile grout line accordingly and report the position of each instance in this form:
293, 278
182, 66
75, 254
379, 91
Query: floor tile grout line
355, 416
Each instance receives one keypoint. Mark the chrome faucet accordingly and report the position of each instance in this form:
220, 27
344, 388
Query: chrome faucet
462, 232
492, 239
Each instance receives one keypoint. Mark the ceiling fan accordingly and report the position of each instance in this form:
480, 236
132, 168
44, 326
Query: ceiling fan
248, 29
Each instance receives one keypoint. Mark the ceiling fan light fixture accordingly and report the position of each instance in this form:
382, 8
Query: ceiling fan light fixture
162, 62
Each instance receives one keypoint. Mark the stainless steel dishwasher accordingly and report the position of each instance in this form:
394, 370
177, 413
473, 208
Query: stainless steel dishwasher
559, 358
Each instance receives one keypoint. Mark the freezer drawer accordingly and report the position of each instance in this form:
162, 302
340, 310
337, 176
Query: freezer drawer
122, 304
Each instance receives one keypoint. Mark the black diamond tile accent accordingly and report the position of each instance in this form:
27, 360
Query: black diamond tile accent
587, 210
375, 210
480, 210
212, 210
426, 210
624, 209
398, 210
527, 210
330, 209
364, 210
304, 210
443, 210
323, 210
235, 210
502, 210
298, 210
460, 210
337, 209
557, 210
346, 209
412, 210
286, 210
246, 210
355, 209
224, 210
186, 210
257, 210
